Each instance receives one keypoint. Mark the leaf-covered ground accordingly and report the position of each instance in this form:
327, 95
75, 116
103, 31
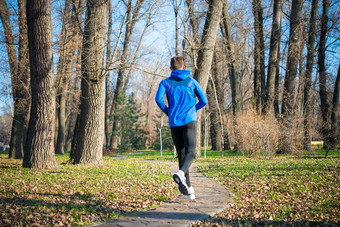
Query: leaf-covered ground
76, 195
281, 191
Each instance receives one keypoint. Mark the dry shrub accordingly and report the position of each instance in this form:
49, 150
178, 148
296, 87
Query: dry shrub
256, 135
291, 137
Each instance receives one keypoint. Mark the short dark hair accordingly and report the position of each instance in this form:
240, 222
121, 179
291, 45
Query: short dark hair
177, 62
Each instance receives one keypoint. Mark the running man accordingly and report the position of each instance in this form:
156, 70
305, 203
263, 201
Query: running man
181, 91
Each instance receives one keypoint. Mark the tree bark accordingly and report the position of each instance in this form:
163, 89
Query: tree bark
325, 106
333, 142
288, 97
205, 56
215, 124
176, 11
88, 147
233, 69
232, 65
193, 23
39, 147
277, 85
273, 57
259, 70
307, 101
108, 97
19, 77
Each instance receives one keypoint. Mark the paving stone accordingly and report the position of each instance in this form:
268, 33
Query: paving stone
211, 198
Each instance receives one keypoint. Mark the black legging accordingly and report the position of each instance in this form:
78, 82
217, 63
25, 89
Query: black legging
184, 138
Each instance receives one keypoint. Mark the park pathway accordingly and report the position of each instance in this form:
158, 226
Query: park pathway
211, 198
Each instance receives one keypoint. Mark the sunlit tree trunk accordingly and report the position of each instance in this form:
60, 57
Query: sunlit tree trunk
39, 147
89, 137
205, 56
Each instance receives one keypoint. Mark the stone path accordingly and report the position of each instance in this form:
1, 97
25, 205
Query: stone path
211, 198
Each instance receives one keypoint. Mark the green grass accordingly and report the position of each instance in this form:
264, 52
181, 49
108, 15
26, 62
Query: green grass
281, 190
80, 195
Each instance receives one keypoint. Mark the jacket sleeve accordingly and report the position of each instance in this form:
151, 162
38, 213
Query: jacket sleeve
159, 98
202, 99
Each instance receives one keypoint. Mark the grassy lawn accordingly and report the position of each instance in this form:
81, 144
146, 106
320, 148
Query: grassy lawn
284, 190
79, 195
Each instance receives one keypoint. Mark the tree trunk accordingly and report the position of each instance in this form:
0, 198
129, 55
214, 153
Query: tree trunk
288, 97
307, 101
193, 23
88, 147
259, 70
273, 57
108, 98
39, 147
233, 69
277, 85
215, 125
333, 142
19, 75
15, 150
205, 56
325, 106
232, 65
176, 11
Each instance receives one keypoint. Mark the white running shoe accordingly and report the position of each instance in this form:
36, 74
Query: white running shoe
179, 178
191, 193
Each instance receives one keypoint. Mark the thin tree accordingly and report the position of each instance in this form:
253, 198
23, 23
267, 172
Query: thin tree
288, 97
88, 147
39, 147
334, 118
107, 77
325, 105
232, 64
205, 56
215, 125
273, 61
19, 76
259, 70
176, 7
233, 68
307, 101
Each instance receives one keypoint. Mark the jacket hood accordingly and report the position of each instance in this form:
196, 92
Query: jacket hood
180, 74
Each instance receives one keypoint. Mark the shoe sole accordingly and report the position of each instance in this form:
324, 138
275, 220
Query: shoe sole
181, 187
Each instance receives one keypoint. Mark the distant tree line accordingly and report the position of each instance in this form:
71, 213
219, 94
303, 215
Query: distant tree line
263, 64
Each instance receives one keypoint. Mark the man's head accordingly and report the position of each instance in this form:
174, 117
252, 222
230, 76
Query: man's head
177, 63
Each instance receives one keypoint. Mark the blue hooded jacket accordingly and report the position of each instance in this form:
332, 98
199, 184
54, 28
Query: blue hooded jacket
181, 91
